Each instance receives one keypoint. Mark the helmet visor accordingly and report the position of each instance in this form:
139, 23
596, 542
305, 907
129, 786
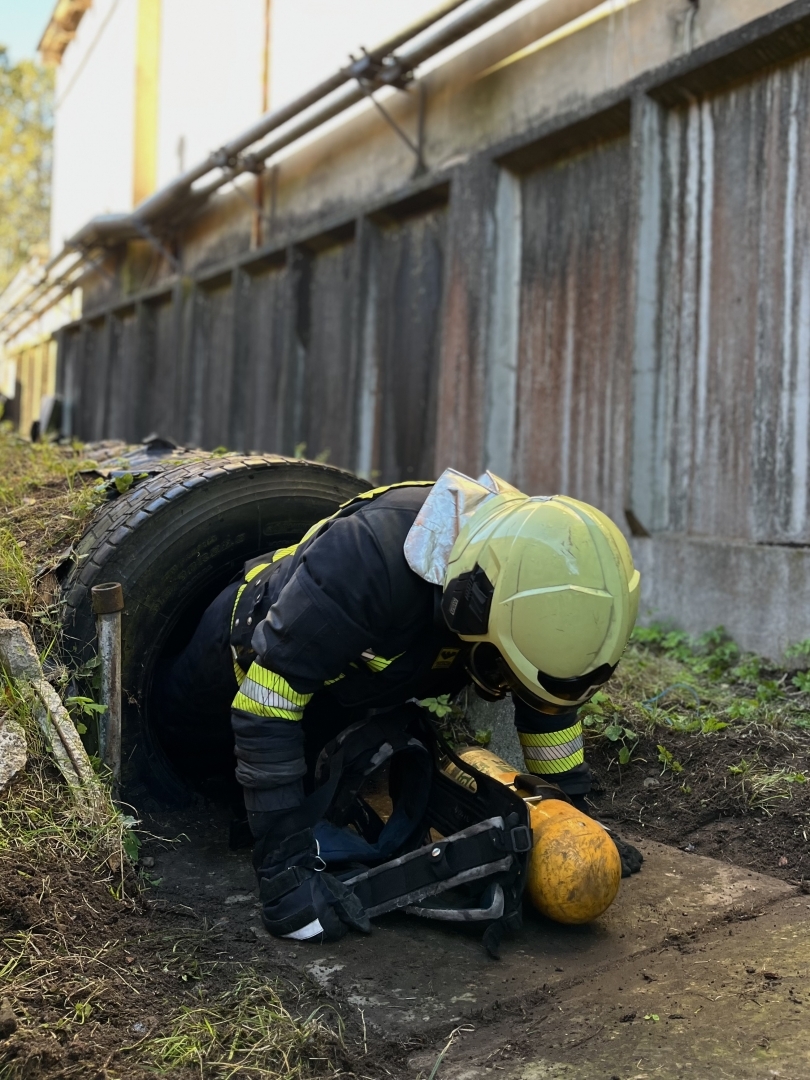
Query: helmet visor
578, 689
570, 693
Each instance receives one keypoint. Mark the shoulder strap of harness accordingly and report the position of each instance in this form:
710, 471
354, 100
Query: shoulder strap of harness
248, 608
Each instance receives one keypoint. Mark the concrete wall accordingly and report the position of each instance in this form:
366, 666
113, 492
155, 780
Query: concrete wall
599, 284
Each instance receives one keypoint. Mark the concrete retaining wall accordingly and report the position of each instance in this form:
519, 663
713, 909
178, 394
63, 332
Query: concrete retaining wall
759, 592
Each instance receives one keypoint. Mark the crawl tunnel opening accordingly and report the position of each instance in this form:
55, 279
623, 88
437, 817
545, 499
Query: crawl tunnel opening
190, 748
174, 544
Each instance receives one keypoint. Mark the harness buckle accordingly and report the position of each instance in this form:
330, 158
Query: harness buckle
521, 837
318, 858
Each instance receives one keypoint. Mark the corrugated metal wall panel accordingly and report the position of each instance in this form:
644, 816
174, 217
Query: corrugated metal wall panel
123, 378
264, 343
36, 377
208, 419
321, 383
575, 328
467, 311
407, 267
90, 377
162, 348
734, 312
153, 373
97, 378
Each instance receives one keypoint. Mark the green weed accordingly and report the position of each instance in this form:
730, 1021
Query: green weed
760, 788
699, 686
625, 739
440, 706
125, 481
800, 650
668, 760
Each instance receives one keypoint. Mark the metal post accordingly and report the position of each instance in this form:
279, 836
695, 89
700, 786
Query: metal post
108, 603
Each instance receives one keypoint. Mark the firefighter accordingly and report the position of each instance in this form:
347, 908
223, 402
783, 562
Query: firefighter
409, 592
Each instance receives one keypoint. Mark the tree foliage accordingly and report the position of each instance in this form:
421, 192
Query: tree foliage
26, 125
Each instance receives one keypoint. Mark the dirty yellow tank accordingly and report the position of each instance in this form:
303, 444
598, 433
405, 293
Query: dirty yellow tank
574, 867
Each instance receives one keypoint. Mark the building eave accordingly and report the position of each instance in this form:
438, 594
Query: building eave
60, 31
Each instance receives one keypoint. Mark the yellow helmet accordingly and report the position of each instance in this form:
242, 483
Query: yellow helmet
550, 583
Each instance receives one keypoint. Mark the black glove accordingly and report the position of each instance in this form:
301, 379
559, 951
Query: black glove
300, 900
631, 857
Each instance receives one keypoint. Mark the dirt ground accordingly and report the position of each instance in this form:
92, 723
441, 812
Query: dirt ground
103, 980
706, 807
684, 934
97, 987
728, 1001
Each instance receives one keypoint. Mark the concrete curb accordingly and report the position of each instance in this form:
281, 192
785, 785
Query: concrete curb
18, 658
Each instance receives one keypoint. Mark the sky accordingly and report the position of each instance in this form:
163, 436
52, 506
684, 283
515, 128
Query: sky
21, 25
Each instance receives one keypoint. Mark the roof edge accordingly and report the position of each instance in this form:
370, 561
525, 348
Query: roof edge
61, 29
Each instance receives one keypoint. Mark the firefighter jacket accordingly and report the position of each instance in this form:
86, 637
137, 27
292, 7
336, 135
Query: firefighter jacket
342, 616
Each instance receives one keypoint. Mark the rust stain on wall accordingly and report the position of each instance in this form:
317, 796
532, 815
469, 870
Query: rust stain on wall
574, 347
734, 311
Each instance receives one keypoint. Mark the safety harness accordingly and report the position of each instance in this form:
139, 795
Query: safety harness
452, 849
252, 600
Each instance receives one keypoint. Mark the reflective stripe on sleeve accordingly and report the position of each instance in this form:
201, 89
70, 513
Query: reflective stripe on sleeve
263, 693
237, 670
377, 663
553, 751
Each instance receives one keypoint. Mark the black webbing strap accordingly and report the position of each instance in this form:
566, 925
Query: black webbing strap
301, 817
478, 852
271, 889
539, 787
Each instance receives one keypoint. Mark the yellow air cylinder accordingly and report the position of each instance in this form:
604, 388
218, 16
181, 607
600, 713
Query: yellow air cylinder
490, 764
574, 867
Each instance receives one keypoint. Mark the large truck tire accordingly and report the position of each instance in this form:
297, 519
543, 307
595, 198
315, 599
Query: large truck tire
174, 542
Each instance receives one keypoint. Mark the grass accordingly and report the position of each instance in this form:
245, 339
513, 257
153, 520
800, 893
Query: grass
247, 1031
690, 731
669, 681
86, 970
40, 821
45, 505
759, 787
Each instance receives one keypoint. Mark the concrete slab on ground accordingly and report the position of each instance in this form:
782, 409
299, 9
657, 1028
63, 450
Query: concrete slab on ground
734, 1004
411, 976
719, 954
